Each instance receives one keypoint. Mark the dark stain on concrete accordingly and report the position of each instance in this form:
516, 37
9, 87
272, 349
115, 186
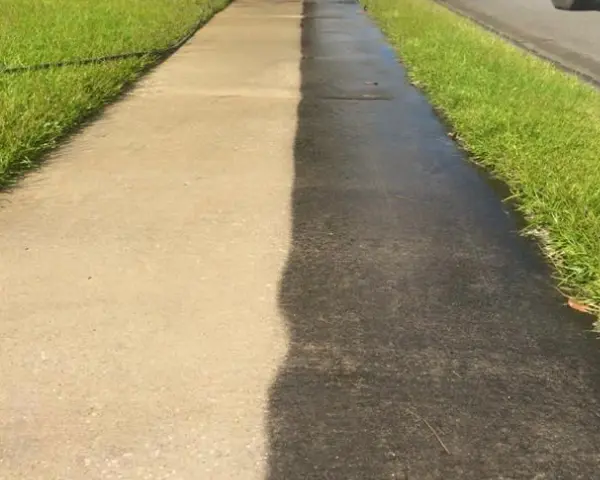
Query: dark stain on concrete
411, 302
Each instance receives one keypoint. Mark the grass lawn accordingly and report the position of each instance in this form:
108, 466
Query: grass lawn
533, 126
37, 108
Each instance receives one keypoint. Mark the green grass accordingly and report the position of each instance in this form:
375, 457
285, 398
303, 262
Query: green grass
38, 108
35, 31
533, 126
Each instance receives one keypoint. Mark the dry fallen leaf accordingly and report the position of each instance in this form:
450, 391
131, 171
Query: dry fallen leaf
578, 306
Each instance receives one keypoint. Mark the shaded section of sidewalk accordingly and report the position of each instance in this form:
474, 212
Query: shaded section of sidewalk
426, 338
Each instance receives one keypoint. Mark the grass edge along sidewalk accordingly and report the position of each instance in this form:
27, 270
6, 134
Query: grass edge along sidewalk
535, 127
39, 108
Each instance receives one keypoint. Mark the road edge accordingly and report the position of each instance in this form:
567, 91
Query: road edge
529, 43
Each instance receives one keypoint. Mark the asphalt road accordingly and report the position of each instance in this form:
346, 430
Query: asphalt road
569, 38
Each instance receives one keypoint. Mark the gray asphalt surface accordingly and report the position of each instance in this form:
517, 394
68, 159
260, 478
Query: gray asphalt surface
412, 305
569, 38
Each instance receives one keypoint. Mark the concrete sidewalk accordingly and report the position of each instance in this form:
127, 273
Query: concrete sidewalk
139, 326
270, 262
427, 341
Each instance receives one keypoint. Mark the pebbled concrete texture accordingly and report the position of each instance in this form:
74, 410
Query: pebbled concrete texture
426, 338
139, 326
570, 38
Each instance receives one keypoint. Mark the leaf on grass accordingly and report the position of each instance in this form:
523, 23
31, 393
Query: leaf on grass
580, 307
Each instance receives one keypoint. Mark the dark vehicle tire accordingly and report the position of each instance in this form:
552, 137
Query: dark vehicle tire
572, 4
